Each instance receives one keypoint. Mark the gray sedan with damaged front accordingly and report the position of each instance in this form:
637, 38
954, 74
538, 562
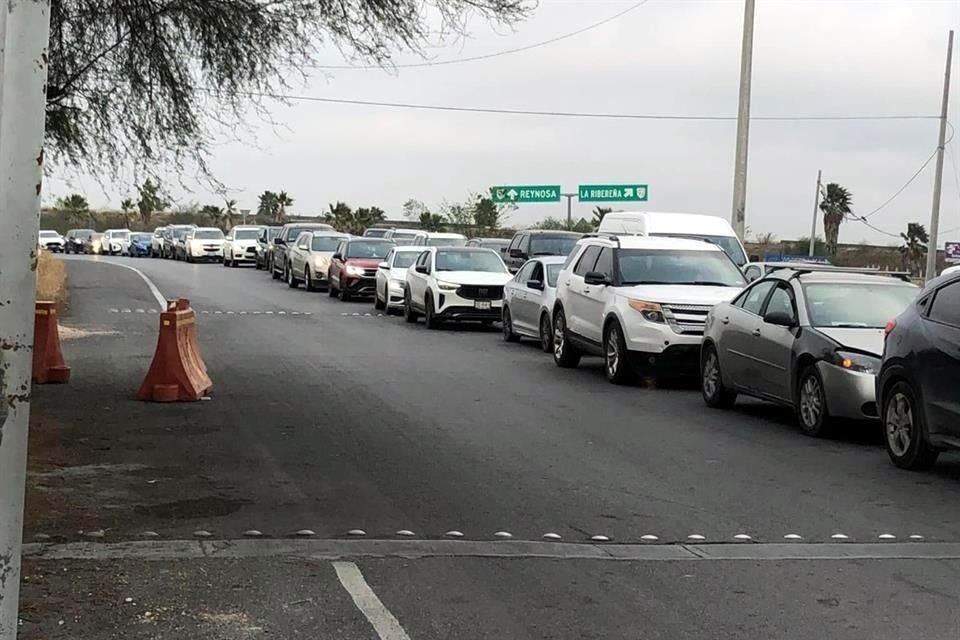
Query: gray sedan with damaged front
810, 339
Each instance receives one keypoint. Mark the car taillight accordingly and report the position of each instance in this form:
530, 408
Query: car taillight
890, 326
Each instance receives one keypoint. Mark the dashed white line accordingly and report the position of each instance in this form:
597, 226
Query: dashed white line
383, 622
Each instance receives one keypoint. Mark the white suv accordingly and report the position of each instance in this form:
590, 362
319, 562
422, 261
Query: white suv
240, 245
455, 283
640, 302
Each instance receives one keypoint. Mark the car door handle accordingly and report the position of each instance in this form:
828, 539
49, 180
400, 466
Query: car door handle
725, 320
756, 331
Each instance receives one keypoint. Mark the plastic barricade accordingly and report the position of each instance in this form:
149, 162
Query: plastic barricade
177, 373
48, 365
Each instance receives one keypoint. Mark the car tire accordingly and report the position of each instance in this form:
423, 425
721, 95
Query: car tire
546, 333
904, 429
429, 314
409, 315
274, 274
292, 281
308, 280
565, 354
715, 394
616, 363
344, 295
378, 304
811, 403
506, 321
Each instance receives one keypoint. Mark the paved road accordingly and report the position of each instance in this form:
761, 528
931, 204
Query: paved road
326, 418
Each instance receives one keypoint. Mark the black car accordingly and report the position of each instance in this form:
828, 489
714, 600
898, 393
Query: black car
917, 386
277, 258
265, 246
538, 242
77, 239
498, 244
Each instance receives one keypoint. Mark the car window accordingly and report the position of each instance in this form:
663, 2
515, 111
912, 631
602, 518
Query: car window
339, 249
524, 274
856, 305
368, 249
553, 271
403, 259
587, 260
781, 300
424, 257
946, 305
515, 243
525, 243
547, 245
302, 242
752, 273
752, 300
605, 263
537, 272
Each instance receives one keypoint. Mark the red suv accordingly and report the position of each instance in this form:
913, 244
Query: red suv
353, 267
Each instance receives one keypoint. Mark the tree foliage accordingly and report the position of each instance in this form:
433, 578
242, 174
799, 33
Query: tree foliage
431, 221
76, 206
153, 82
914, 247
151, 200
551, 224
836, 204
267, 206
214, 213
598, 214
414, 209
346, 219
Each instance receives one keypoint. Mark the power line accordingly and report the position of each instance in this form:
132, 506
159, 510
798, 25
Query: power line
438, 63
901, 189
577, 114
863, 219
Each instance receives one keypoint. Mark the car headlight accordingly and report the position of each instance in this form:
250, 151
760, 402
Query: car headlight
651, 311
354, 271
852, 361
447, 286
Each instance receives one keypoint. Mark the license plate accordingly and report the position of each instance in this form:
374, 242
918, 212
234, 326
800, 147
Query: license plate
481, 305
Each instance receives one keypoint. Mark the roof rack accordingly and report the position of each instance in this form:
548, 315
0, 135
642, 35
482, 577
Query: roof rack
606, 236
827, 268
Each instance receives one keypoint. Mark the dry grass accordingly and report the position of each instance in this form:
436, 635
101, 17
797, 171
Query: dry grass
51, 278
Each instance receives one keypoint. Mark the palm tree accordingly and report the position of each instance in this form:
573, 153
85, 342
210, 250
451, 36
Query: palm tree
283, 201
229, 210
76, 206
914, 247
213, 212
267, 207
127, 206
341, 217
835, 205
598, 214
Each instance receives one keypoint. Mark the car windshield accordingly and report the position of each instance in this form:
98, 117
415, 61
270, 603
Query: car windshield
403, 233
158, 231
141, 237
119, 235
374, 233
856, 305
728, 243
246, 234
476, 260
402, 241
49, 234
541, 245
368, 250
293, 232
495, 244
325, 243
403, 259
651, 266
272, 232
553, 270
446, 242
208, 234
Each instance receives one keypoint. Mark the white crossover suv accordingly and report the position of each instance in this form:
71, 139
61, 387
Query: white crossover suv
639, 302
392, 277
455, 283
240, 245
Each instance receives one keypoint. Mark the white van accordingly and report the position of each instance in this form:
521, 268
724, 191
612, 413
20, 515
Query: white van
676, 225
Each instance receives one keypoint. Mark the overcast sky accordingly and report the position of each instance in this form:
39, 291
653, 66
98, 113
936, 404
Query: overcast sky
811, 57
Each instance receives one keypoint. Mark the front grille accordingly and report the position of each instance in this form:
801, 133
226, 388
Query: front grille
480, 292
686, 319
370, 273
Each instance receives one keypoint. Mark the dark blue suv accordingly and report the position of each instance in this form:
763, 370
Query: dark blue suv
917, 387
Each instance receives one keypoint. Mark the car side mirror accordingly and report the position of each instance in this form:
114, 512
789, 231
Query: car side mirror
336, 256
779, 318
516, 253
278, 241
596, 278
535, 284
754, 258
422, 268
384, 266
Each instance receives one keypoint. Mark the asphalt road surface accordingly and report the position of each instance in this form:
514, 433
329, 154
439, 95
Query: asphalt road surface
331, 417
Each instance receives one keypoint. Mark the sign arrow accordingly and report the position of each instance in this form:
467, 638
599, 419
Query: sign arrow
512, 194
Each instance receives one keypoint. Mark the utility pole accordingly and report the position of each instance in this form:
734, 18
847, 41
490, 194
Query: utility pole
743, 124
25, 33
569, 197
938, 177
816, 211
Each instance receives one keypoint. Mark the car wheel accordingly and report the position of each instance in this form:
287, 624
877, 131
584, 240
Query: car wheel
546, 333
715, 394
903, 426
506, 322
564, 353
811, 405
292, 281
344, 295
273, 272
615, 362
429, 315
378, 303
225, 263
308, 280
408, 313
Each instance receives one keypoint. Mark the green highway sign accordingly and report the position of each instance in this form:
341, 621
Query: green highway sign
522, 194
612, 193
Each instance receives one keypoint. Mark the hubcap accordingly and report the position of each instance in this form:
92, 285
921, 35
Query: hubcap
613, 352
545, 331
899, 424
507, 329
811, 401
558, 337
711, 375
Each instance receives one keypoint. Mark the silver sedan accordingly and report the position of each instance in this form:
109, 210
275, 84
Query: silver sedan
528, 299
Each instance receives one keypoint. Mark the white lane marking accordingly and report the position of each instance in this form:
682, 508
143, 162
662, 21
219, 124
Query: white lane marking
380, 618
153, 288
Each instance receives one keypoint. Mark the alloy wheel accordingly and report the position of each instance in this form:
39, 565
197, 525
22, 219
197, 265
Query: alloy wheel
612, 352
558, 336
811, 401
711, 374
899, 424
